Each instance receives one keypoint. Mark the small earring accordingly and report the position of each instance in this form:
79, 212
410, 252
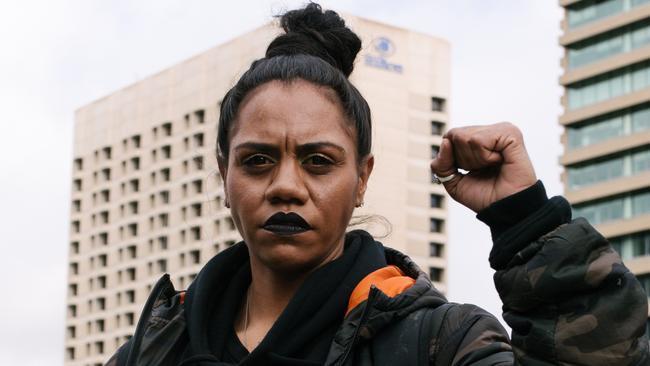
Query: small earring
226, 203
360, 204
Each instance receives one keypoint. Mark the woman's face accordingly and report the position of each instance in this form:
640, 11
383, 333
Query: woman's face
292, 151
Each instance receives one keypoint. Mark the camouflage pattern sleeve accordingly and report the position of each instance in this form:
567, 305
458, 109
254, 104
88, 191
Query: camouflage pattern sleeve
570, 301
471, 336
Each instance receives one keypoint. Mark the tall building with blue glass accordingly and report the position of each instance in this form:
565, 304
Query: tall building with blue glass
606, 122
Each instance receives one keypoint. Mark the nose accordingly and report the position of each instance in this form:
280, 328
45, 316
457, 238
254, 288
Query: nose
287, 184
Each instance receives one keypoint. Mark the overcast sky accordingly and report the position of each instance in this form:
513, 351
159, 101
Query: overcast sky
58, 55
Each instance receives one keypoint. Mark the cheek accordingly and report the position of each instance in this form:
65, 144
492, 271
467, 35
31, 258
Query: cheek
337, 197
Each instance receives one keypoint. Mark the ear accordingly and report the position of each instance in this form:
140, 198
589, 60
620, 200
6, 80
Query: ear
223, 171
365, 169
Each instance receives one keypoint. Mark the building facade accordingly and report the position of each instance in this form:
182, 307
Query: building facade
147, 197
606, 122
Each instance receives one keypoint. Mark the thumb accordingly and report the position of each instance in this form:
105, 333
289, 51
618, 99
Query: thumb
444, 164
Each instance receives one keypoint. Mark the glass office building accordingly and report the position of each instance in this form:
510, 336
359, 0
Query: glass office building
606, 122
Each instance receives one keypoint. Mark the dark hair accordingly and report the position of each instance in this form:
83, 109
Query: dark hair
316, 47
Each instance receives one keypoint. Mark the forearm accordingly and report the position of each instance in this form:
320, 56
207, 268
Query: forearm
566, 293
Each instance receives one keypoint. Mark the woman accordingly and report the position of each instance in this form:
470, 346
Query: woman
294, 152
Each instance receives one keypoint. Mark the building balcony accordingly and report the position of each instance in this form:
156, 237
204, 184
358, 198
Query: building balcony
604, 148
599, 67
601, 26
597, 109
624, 227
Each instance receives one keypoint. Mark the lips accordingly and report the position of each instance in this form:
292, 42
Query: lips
286, 224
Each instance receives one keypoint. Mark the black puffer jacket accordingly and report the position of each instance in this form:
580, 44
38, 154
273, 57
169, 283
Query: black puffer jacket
566, 295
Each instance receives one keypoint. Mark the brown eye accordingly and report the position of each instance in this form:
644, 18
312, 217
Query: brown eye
318, 160
257, 160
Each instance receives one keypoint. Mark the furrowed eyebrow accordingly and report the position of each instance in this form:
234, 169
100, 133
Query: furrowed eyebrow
257, 146
315, 146
301, 149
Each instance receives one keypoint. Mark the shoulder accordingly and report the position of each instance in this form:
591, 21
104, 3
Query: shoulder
161, 323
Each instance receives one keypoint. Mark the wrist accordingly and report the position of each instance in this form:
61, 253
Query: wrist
510, 210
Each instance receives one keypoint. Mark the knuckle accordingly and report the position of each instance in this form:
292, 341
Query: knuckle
510, 127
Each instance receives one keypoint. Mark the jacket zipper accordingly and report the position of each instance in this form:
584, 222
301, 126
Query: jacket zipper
362, 321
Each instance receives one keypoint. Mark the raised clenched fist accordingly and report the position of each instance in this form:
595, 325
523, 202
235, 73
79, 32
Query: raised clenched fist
495, 159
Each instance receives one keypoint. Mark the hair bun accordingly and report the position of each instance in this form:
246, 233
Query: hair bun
314, 32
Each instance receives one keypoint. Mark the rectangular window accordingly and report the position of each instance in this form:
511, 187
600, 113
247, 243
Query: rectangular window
608, 85
195, 233
107, 152
99, 325
200, 116
135, 140
437, 128
130, 296
198, 162
76, 227
435, 274
72, 311
76, 184
133, 230
162, 265
99, 347
641, 203
167, 129
197, 186
437, 104
102, 260
101, 282
103, 238
71, 331
135, 163
435, 225
434, 151
435, 200
133, 207
132, 251
195, 257
163, 218
165, 174
602, 211
196, 210
104, 217
198, 140
134, 185
595, 172
69, 353
130, 318
106, 174
166, 151
78, 164
105, 195
101, 303
162, 242
74, 247
588, 11
435, 249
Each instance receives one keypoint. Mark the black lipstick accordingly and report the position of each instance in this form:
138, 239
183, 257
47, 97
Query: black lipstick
286, 224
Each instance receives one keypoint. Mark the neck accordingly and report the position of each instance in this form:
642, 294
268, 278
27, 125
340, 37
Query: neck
266, 299
270, 292
268, 296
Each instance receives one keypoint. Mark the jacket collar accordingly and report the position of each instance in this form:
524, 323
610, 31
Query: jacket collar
378, 309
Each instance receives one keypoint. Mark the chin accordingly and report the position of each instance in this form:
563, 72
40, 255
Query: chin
289, 258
